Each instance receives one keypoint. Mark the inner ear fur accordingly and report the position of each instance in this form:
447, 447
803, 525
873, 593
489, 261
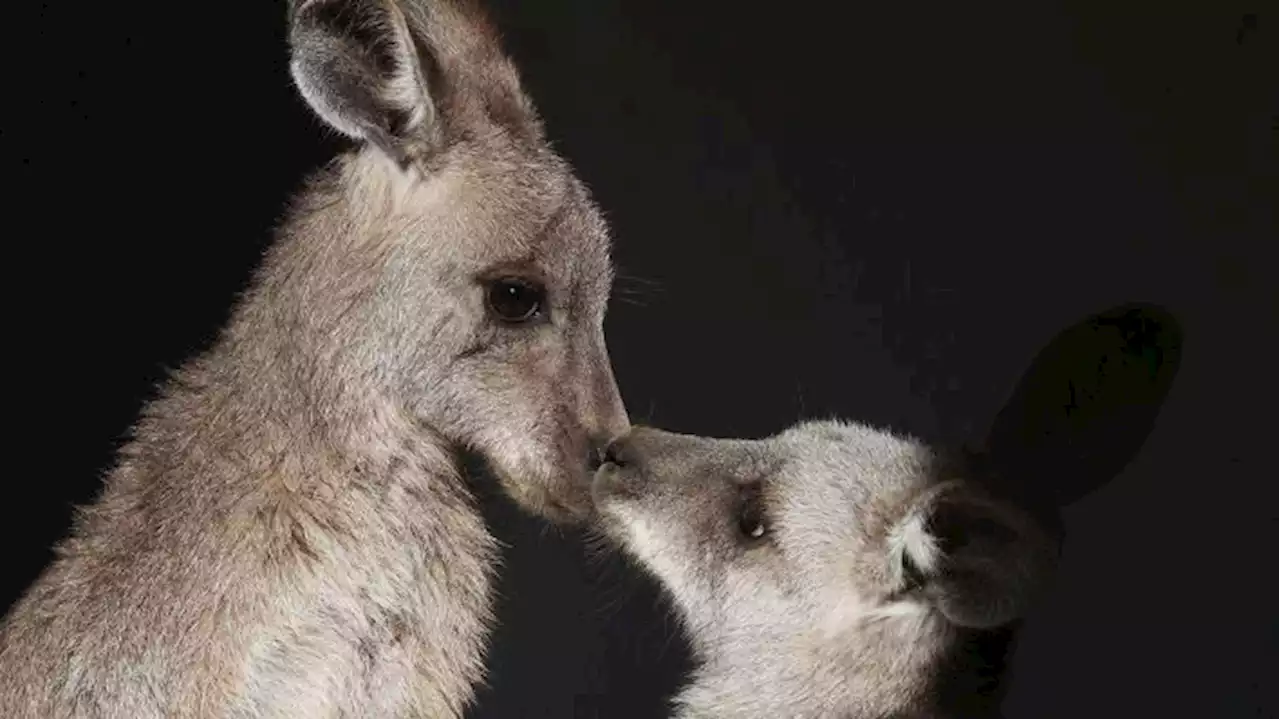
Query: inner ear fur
357, 65
409, 77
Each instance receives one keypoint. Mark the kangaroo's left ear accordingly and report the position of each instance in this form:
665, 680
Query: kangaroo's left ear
409, 77
977, 560
357, 65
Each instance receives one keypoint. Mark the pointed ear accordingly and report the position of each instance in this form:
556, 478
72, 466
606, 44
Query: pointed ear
1084, 407
407, 76
357, 66
980, 562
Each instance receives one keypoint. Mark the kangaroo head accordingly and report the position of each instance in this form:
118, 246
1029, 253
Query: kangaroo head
838, 570
453, 262
832, 562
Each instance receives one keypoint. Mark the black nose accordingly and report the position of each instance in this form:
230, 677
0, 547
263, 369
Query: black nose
616, 452
601, 452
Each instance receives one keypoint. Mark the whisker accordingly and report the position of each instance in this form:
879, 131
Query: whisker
634, 286
637, 279
610, 585
645, 418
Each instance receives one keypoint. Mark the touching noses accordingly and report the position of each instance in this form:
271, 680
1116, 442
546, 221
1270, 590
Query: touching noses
618, 452
612, 426
638, 448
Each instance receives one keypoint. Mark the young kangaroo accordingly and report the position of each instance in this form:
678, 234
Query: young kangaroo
839, 571
288, 534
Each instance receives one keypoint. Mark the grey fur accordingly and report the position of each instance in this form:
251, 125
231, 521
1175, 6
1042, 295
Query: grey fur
850, 606
287, 533
853, 602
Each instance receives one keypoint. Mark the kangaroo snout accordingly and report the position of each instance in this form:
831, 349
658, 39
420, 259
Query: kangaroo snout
615, 453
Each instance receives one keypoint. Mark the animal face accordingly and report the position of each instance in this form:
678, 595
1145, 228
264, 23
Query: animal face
822, 528
527, 380
471, 266
838, 570
507, 272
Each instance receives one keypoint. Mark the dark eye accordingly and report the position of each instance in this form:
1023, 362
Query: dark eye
514, 300
751, 519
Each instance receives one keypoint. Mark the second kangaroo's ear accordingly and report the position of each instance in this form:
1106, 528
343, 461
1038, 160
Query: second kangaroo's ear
406, 77
1084, 408
979, 561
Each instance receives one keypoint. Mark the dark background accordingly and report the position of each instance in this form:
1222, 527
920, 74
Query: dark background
819, 208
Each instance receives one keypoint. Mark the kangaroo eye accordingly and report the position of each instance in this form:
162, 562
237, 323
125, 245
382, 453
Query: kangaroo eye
752, 524
515, 301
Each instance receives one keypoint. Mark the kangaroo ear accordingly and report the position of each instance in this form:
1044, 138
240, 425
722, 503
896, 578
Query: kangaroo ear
1084, 408
407, 76
980, 562
357, 66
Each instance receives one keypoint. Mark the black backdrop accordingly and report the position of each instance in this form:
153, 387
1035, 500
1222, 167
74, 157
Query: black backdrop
820, 208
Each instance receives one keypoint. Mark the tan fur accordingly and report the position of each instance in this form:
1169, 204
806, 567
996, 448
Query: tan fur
288, 533
852, 603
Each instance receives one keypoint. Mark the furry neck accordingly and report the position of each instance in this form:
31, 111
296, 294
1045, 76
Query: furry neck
279, 535
880, 668
308, 515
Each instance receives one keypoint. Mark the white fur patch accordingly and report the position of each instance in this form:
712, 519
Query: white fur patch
648, 544
911, 539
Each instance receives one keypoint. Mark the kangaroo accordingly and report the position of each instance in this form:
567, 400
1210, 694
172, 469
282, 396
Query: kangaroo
840, 570
287, 532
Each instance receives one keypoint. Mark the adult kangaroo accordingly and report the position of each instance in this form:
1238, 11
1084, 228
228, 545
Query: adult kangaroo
288, 533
